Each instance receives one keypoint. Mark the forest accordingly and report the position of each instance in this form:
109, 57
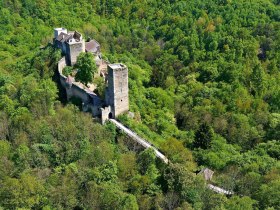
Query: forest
204, 87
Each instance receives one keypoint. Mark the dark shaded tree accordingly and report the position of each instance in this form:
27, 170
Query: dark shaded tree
203, 136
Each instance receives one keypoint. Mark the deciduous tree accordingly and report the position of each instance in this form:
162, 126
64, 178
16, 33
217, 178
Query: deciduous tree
86, 68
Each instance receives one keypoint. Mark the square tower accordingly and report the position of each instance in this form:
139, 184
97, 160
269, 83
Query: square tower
75, 44
70, 42
117, 90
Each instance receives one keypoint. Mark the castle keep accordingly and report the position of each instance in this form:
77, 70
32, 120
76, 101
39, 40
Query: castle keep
117, 91
71, 44
115, 76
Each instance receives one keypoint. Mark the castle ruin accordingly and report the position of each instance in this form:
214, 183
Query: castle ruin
116, 100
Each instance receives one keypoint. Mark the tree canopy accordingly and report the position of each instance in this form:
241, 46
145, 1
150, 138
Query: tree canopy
86, 68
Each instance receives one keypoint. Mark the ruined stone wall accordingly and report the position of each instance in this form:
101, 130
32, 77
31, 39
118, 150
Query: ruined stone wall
105, 112
91, 101
61, 64
80, 93
60, 45
116, 97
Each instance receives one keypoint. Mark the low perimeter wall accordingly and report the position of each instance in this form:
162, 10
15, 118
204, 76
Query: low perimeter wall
91, 102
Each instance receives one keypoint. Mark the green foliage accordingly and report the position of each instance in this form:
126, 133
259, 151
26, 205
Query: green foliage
182, 155
203, 137
146, 159
184, 182
219, 155
86, 68
25, 192
67, 70
240, 203
269, 194
100, 86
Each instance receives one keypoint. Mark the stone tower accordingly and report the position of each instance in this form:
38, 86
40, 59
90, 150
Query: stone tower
70, 42
117, 90
74, 46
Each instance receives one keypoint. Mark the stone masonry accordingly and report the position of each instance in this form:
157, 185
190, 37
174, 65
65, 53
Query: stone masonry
116, 77
117, 91
70, 43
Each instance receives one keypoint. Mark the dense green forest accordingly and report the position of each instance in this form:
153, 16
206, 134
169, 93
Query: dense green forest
204, 79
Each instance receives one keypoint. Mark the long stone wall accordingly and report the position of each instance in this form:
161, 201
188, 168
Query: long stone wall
61, 64
140, 140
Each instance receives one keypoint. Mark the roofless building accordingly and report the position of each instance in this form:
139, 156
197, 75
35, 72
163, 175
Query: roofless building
116, 100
